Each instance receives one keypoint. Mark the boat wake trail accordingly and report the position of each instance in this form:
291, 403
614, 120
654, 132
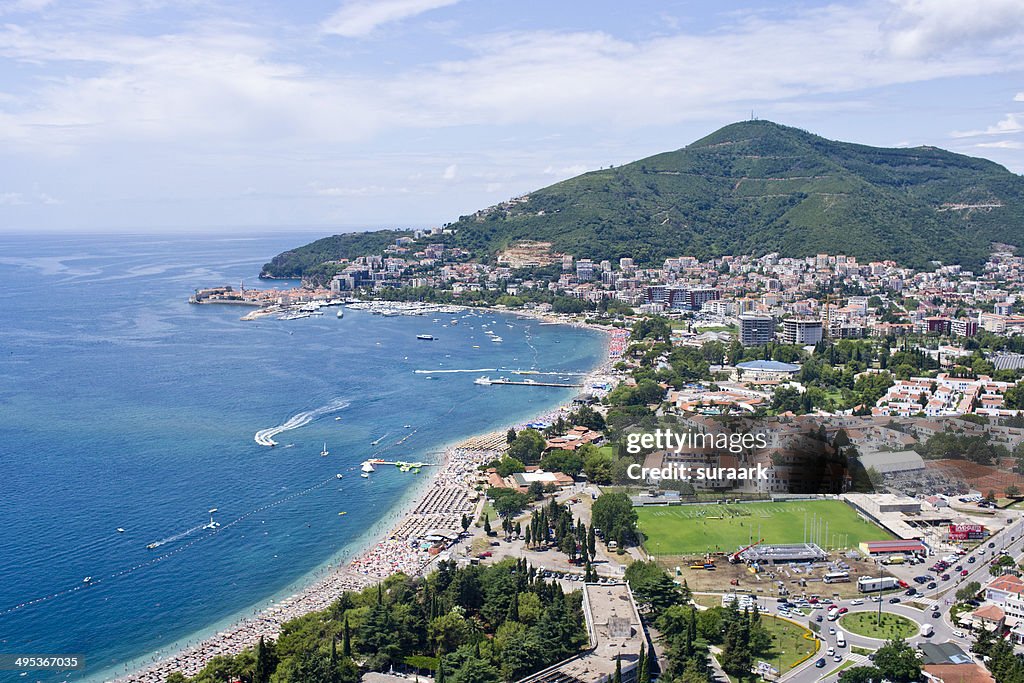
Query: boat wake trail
265, 437
175, 537
438, 372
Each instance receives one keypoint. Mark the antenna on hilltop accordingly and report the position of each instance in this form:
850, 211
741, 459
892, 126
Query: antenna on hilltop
752, 117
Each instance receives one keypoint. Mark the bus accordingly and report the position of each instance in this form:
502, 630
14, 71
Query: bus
837, 577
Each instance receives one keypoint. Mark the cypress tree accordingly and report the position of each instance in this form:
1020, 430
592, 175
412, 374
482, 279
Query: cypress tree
618, 671
261, 672
346, 640
513, 608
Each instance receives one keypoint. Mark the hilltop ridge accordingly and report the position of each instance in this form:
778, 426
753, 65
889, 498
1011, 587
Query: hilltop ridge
756, 187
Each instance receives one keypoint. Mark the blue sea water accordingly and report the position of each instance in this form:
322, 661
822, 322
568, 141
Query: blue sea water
121, 405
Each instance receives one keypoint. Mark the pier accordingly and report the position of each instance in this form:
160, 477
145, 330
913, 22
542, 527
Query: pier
487, 381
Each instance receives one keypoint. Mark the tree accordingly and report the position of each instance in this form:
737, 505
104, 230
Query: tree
487, 524
968, 591
476, 671
862, 674
264, 663
508, 466
585, 416
613, 512
643, 666
898, 661
1012, 491
510, 436
597, 465
652, 587
466, 521
527, 447
562, 461
450, 631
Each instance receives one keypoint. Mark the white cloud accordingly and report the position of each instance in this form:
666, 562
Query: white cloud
11, 198
23, 6
1019, 97
359, 18
922, 28
450, 172
1002, 144
1010, 124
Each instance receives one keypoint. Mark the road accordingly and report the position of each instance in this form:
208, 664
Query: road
1010, 539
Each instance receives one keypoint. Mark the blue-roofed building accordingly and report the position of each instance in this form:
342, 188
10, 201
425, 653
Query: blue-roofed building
765, 371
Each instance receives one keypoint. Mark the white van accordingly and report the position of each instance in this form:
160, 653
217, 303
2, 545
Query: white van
840, 639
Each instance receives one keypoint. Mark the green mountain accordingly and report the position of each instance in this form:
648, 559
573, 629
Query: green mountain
756, 187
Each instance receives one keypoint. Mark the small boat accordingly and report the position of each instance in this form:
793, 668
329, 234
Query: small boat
87, 579
120, 530
212, 524
152, 546
341, 313
484, 381
425, 337
342, 513
497, 339
364, 475
337, 476
367, 467
407, 426
324, 453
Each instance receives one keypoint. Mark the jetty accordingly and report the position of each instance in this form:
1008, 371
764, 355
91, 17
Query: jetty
487, 381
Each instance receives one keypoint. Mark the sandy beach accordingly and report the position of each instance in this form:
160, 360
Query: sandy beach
439, 507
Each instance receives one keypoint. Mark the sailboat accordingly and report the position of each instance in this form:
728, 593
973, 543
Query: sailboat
324, 453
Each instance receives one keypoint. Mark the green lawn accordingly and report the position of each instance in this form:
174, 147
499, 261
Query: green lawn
695, 529
789, 644
866, 624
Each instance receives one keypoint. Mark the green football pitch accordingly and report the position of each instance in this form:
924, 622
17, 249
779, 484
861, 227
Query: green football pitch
697, 529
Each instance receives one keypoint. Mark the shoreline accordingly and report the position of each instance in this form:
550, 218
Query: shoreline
383, 549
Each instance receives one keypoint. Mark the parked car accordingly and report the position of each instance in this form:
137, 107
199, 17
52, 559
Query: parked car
819, 618
932, 586
964, 573
971, 560
945, 577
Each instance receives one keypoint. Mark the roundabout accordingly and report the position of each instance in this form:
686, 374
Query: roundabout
888, 626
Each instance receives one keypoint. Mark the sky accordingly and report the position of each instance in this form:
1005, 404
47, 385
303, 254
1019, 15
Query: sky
181, 115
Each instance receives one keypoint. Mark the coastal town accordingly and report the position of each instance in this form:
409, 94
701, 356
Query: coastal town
886, 405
